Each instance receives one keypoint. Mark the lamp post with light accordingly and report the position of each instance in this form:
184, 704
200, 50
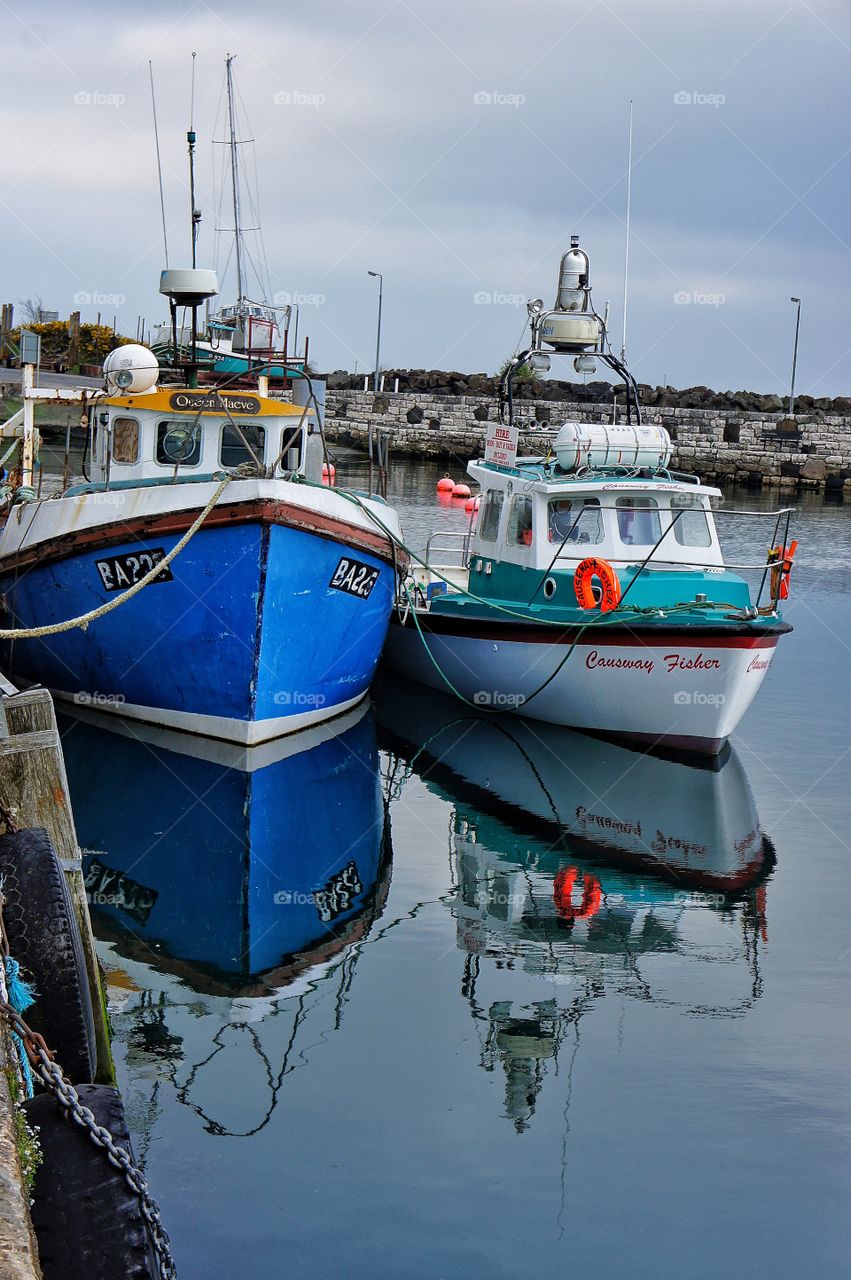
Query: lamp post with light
797, 301
380, 278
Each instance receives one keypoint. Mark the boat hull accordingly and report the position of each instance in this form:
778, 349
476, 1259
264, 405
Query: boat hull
246, 639
684, 689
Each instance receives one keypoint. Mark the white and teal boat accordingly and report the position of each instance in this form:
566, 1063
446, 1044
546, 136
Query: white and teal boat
591, 589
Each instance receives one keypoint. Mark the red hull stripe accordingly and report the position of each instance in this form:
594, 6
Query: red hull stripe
260, 511
627, 635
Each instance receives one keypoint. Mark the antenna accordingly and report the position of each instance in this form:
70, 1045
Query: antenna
626, 237
194, 214
159, 163
234, 181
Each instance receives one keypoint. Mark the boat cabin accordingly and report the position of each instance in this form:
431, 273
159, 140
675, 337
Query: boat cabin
534, 518
536, 523
176, 433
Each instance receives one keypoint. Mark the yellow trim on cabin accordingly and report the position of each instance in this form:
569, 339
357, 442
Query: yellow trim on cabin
160, 402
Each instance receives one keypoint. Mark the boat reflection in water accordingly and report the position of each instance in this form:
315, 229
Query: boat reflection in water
582, 868
224, 884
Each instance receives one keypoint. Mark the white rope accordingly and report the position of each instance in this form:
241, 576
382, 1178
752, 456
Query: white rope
30, 633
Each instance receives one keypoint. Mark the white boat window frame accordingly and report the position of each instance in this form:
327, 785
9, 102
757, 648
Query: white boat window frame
578, 504
638, 502
494, 497
181, 465
693, 504
520, 543
121, 420
239, 424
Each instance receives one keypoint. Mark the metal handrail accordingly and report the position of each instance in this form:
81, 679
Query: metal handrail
451, 534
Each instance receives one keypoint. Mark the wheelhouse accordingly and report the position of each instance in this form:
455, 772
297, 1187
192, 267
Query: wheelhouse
169, 434
530, 518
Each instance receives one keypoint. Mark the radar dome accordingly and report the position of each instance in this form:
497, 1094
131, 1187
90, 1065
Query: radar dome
131, 368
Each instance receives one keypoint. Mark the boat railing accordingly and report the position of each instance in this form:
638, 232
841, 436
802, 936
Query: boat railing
450, 542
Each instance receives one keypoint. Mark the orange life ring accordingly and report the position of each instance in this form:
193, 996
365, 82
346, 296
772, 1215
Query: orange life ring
608, 579
781, 558
592, 895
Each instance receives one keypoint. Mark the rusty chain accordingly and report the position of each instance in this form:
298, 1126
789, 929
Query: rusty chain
49, 1073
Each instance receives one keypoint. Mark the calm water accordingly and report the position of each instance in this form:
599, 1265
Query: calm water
407, 1002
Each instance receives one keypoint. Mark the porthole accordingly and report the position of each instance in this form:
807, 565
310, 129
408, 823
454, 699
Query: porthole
550, 587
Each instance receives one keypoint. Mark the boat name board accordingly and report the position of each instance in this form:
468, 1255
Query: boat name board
501, 445
355, 577
211, 401
119, 572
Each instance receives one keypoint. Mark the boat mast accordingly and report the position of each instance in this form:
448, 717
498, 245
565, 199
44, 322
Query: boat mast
626, 235
194, 212
234, 169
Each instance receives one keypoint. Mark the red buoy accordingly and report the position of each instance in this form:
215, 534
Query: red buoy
461, 491
445, 485
329, 474
472, 504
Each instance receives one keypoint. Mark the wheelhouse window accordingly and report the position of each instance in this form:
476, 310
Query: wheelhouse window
290, 448
572, 520
638, 521
125, 440
491, 512
179, 442
692, 527
242, 442
520, 523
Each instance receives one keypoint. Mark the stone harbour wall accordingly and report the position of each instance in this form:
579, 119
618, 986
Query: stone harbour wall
810, 451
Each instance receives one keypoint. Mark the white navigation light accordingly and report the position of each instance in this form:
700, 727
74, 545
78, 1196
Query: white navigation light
585, 364
131, 368
535, 306
573, 279
572, 325
540, 362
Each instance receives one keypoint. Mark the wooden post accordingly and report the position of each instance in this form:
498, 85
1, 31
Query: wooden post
34, 786
28, 440
7, 324
74, 339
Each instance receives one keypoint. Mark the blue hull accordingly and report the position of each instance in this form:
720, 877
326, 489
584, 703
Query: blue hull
229, 872
246, 641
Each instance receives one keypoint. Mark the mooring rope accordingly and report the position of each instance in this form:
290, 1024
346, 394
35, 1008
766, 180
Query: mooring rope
30, 633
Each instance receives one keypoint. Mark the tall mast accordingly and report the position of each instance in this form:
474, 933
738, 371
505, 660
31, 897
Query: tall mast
234, 170
194, 212
626, 234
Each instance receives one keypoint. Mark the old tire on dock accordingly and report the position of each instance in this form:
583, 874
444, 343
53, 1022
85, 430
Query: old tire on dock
44, 938
88, 1222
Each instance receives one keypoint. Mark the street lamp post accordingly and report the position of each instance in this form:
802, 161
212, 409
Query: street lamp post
794, 357
378, 276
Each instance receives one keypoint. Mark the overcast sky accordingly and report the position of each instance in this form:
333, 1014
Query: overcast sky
455, 147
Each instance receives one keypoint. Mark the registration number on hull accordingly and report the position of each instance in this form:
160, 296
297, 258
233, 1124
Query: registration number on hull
117, 573
355, 577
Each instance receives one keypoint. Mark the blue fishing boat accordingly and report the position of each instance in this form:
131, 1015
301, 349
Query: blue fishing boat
292, 837
202, 576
